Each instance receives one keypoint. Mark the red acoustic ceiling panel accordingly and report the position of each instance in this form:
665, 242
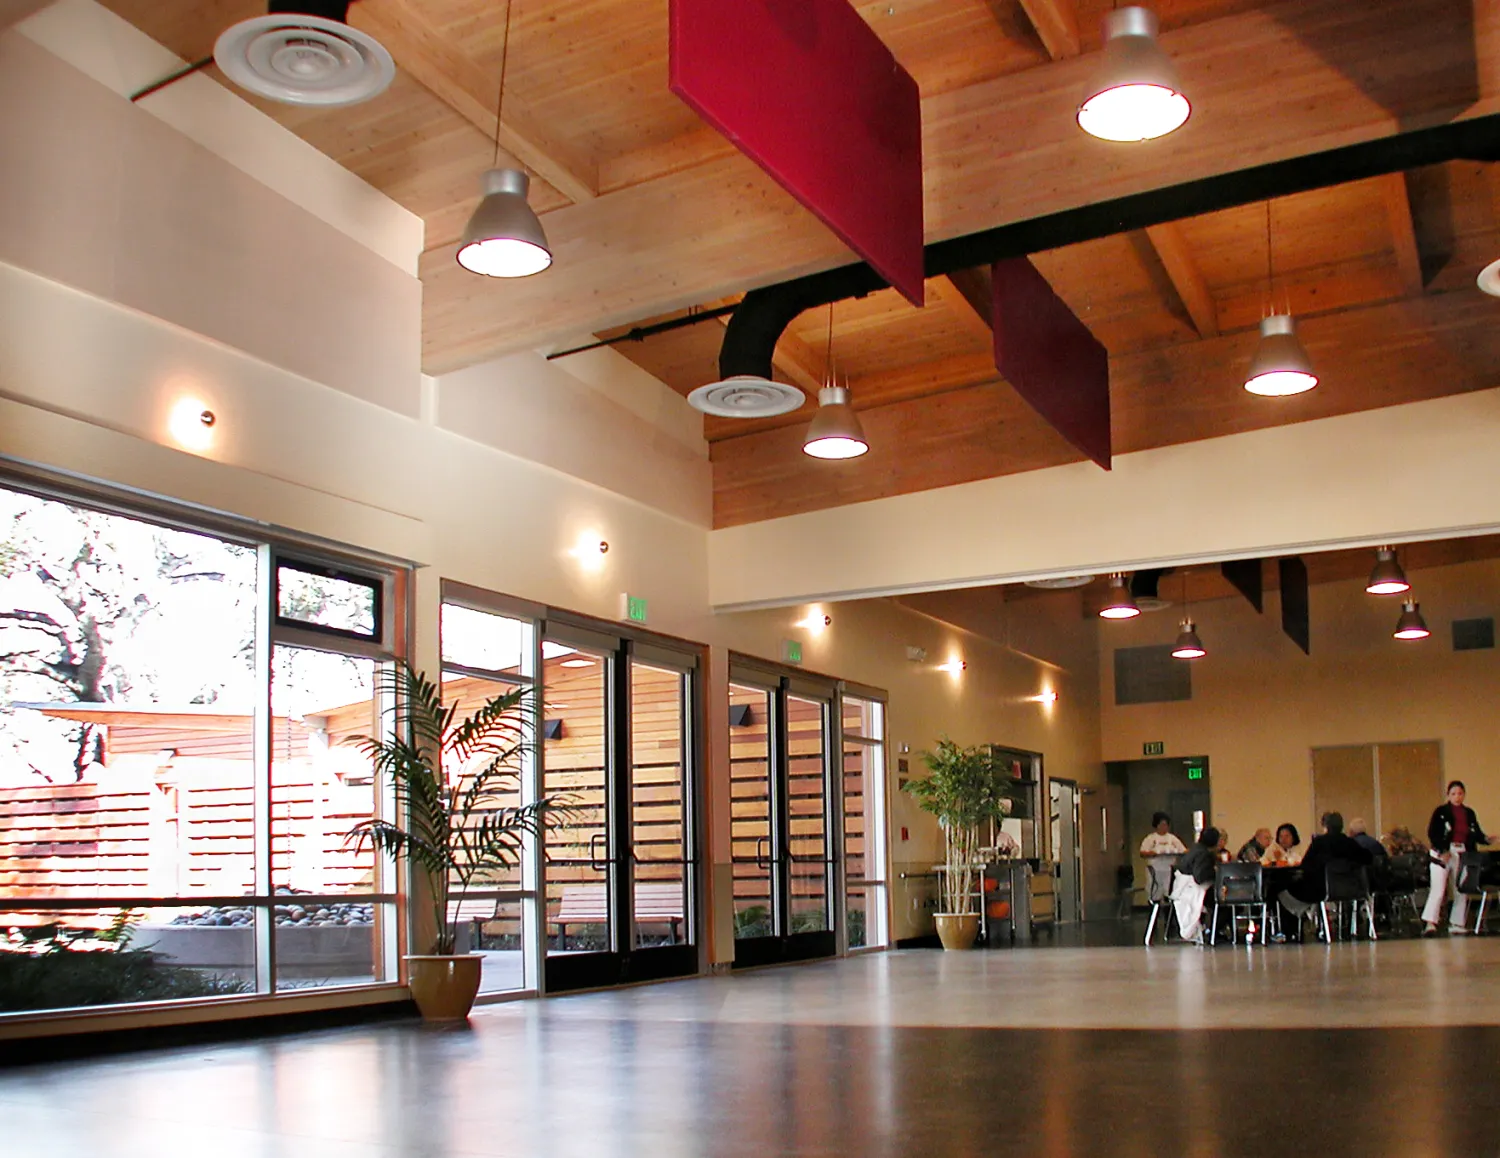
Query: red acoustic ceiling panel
1050, 357
807, 91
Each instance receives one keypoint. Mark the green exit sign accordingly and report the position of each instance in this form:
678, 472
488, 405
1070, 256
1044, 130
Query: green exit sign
1153, 747
1195, 771
635, 609
791, 651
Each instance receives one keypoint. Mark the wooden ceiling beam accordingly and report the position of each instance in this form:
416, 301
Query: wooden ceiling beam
1186, 278
966, 295
1403, 232
436, 63
1056, 23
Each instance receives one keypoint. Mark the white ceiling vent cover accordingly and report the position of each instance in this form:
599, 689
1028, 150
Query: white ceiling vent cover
306, 57
746, 396
1062, 583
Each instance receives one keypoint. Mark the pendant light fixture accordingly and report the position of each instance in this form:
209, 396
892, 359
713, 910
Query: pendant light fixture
1387, 578
1188, 645
504, 237
1281, 366
835, 431
1136, 94
1121, 603
1411, 625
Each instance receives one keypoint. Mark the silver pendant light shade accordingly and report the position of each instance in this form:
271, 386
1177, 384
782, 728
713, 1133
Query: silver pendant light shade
1280, 366
1411, 625
1121, 603
1136, 94
1387, 578
1188, 645
504, 238
835, 431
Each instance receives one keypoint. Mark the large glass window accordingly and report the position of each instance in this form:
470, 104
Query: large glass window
487, 655
173, 795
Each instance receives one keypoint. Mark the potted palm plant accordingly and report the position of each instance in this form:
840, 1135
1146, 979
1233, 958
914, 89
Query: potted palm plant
452, 824
965, 789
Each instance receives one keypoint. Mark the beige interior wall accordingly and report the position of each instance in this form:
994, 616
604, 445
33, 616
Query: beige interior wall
1260, 706
987, 703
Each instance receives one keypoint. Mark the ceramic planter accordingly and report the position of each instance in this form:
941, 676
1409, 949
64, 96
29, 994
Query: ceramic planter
957, 930
444, 987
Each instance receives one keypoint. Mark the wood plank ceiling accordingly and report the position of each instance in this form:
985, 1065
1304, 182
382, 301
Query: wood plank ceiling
652, 214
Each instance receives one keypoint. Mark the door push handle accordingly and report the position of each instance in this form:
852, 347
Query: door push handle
594, 862
760, 861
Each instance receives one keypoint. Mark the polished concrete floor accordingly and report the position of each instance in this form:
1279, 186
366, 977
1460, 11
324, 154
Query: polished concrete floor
1356, 1049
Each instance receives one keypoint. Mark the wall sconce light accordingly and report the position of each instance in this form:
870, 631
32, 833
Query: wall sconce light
191, 424
589, 550
814, 621
953, 666
1047, 697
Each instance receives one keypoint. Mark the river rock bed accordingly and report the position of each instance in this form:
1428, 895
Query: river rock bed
291, 912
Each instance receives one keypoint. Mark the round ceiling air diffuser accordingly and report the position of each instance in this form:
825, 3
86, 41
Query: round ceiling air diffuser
1061, 583
746, 396
306, 57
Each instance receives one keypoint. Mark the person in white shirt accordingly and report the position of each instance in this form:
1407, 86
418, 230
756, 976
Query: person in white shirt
1160, 849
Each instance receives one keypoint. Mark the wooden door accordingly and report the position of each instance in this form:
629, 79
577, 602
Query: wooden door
1344, 781
1411, 785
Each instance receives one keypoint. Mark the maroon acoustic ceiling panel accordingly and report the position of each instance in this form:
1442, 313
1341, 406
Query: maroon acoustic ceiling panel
808, 92
1050, 357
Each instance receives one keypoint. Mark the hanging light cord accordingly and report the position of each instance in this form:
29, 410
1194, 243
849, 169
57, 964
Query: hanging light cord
1270, 261
500, 97
828, 353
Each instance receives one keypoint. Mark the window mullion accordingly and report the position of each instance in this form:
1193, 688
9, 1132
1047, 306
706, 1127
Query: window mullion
265, 915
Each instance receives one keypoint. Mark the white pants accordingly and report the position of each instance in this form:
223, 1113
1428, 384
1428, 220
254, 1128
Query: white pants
1444, 886
1187, 898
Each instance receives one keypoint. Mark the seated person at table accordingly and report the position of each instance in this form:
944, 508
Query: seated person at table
1222, 853
1400, 842
1191, 880
1361, 836
1256, 847
1286, 849
1331, 845
1160, 847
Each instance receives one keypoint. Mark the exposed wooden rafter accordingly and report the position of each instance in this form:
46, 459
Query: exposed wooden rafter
966, 294
1187, 279
1056, 23
1403, 232
439, 65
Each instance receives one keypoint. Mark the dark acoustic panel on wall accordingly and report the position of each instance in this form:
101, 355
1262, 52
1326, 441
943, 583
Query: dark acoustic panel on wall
1294, 607
1245, 576
1473, 634
809, 92
1150, 675
1050, 357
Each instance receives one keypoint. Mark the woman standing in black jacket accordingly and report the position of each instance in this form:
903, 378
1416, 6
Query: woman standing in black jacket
1452, 831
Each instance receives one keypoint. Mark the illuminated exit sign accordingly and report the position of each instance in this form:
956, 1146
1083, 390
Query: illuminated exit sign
1195, 771
635, 609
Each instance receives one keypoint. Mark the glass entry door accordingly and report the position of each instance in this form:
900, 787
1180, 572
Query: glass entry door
780, 827
619, 861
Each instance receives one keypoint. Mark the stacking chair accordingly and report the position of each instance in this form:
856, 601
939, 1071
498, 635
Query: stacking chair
1397, 879
1159, 893
1237, 887
1474, 881
1347, 884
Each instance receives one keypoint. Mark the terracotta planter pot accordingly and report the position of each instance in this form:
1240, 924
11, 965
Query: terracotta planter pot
957, 930
444, 988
